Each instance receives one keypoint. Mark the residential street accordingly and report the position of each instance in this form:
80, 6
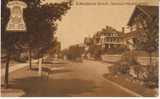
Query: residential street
68, 79
79, 48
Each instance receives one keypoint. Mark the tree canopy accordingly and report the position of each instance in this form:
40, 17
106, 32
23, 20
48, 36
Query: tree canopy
148, 39
41, 24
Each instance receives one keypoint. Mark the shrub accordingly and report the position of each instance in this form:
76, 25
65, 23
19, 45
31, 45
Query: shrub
128, 60
74, 52
122, 68
152, 78
114, 70
141, 72
95, 51
147, 74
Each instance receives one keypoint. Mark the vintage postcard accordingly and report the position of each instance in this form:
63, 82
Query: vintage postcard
79, 48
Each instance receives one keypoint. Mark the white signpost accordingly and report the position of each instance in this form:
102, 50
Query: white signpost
16, 22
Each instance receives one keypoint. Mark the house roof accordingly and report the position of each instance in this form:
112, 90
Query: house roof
149, 11
133, 34
130, 35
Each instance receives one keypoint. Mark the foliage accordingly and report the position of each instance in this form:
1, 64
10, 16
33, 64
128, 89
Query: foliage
54, 48
74, 52
122, 68
152, 77
95, 51
148, 74
148, 38
41, 24
88, 41
128, 59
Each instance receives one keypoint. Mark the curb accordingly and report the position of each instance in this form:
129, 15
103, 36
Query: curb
123, 88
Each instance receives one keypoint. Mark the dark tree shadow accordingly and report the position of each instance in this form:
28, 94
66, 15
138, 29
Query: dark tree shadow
110, 62
54, 63
35, 86
51, 71
62, 71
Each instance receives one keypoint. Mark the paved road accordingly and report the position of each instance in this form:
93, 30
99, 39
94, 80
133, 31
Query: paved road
69, 79
92, 73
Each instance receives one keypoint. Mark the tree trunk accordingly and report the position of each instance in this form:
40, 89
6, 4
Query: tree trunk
30, 59
40, 67
7, 69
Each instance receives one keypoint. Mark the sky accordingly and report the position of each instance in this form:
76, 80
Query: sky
85, 20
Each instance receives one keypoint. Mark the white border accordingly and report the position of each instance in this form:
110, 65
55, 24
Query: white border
89, 97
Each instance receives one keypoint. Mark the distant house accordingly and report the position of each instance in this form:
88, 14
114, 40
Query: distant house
109, 38
138, 22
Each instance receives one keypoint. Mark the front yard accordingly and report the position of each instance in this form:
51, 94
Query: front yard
129, 72
132, 84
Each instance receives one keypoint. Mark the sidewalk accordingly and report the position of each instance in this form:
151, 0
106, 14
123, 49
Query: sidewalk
28, 83
18, 66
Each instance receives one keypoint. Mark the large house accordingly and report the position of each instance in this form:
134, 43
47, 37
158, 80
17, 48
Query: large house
143, 17
109, 38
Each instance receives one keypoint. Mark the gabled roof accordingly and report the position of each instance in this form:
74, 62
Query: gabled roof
130, 35
148, 11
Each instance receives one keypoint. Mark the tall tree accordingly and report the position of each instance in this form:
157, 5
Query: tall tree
41, 26
149, 35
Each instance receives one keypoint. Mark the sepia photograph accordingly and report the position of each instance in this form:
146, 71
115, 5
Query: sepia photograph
79, 48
